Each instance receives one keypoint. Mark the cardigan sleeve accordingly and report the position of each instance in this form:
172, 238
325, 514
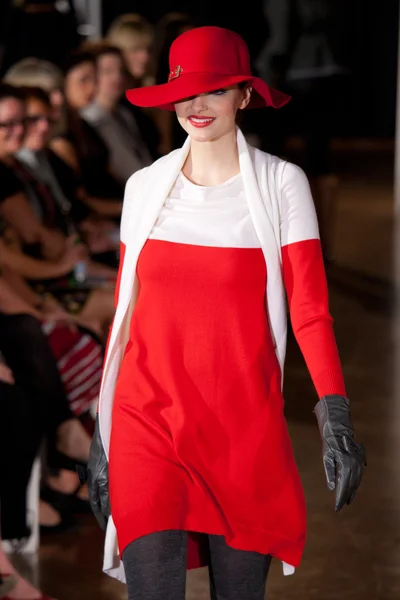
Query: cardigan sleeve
306, 285
124, 233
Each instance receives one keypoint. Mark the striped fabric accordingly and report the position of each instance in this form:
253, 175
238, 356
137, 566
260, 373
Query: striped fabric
79, 360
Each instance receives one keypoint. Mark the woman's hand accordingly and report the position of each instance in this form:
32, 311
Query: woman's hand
344, 459
52, 310
96, 476
72, 255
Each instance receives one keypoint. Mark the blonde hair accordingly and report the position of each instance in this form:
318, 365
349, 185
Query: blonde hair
126, 30
35, 72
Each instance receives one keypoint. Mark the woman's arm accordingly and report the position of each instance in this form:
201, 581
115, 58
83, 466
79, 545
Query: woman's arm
66, 151
306, 285
20, 287
102, 206
12, 303
17, 211
31, 268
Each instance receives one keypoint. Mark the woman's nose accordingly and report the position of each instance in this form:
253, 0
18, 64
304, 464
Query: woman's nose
199, 103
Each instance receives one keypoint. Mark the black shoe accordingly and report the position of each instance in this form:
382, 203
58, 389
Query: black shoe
65, 504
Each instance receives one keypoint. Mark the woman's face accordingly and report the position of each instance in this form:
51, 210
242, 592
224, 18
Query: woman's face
110, 77
12, 126
137, 56
38, 124
80, 85
210, 116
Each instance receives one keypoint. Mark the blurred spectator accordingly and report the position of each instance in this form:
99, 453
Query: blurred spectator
34, 72
68, 211
34, 409
40, 253
113, 122
78, 143
134, 36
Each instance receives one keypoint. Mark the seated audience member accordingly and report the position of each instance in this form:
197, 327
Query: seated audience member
78, 143
114, 123
134, 36
48, 176
38, 406
36, 73
40, 253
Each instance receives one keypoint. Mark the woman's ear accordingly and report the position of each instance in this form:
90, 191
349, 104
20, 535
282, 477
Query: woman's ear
246, 97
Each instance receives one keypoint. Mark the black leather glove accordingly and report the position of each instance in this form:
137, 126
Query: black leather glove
96, 476
344, 459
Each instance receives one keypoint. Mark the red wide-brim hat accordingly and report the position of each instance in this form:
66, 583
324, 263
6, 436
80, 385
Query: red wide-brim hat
202, 60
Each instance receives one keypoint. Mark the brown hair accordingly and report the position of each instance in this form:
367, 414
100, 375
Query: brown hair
127, 27
35, 72
101, 48
36, 93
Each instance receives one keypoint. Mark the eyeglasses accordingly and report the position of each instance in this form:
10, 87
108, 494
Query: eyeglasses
12, 124
33, 119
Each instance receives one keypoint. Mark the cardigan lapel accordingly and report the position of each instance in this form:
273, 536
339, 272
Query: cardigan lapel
260, 209
159, 179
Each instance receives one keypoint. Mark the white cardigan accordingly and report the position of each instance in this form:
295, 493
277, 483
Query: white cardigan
282, 209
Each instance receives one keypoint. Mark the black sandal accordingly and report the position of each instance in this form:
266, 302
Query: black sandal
65, 504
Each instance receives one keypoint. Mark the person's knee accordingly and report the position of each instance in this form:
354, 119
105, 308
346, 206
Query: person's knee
155, 565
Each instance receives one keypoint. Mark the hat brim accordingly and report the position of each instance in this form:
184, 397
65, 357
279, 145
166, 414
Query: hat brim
166, 95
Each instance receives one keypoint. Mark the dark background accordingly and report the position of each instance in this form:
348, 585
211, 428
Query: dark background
367, 31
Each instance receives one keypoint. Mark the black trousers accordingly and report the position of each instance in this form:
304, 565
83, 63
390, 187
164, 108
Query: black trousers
29, 410
155, 567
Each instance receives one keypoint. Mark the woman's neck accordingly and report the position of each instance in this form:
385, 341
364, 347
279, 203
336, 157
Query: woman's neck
212, 163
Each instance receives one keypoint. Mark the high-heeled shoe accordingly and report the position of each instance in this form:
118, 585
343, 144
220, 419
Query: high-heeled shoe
66, 504
59, 460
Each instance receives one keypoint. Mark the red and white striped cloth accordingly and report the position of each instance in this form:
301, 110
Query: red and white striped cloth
79, 359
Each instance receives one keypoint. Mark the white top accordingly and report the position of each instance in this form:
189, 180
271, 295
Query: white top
207, 215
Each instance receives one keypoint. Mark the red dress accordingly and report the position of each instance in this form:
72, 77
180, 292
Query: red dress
199, 440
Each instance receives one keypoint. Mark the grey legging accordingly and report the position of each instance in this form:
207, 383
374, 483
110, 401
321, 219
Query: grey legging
155, 567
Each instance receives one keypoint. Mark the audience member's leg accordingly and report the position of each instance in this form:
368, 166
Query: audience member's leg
29, 355
98, 312
19, 443
27, 352
31, 360
236, 574
155, 566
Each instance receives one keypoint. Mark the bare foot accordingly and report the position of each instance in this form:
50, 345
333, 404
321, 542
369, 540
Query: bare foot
48, 515
66, 482
73, 440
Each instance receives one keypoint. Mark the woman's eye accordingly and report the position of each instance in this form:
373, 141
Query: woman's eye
218, 92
